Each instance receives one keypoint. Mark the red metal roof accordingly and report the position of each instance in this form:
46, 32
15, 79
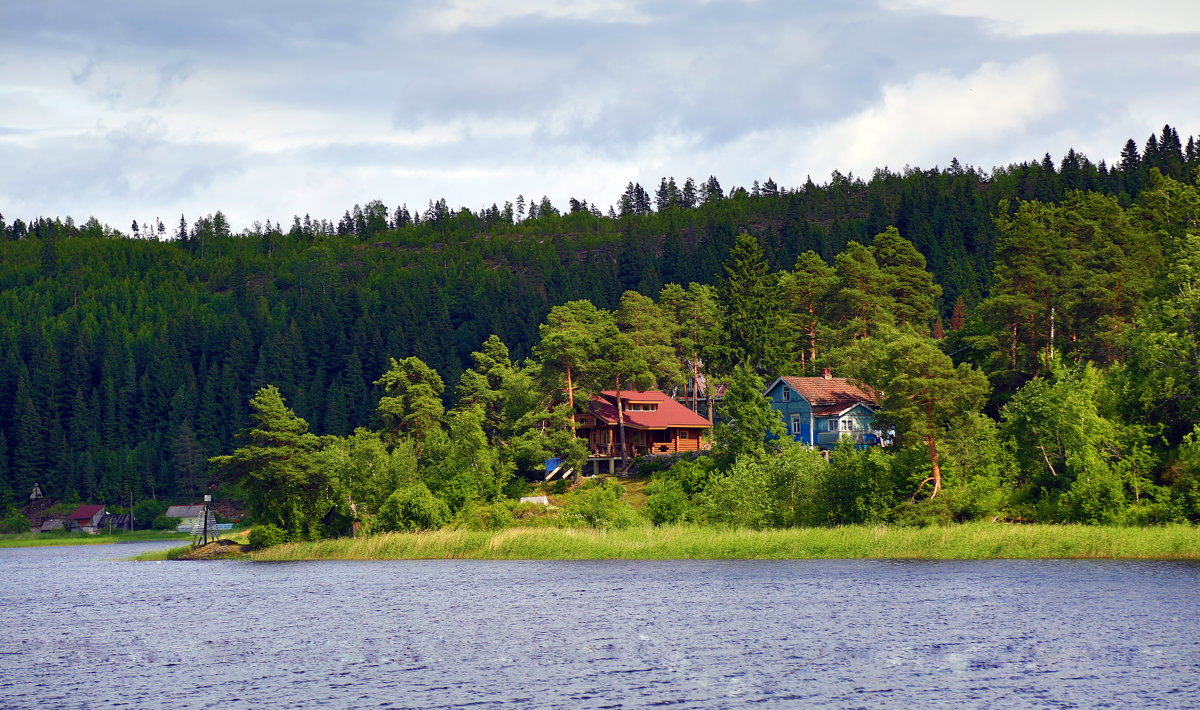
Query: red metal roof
832, 391
669, 414
85, 512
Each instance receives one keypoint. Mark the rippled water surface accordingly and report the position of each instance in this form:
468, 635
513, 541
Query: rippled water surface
82, 629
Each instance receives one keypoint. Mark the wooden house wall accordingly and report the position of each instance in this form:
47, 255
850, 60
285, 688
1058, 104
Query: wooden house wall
796, 406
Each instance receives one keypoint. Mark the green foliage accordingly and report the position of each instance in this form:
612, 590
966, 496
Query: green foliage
146, 511
264, 536
280, 470
744, 497
751, 330
598, 504
13, 523
860, 487
162, 522
667, 503
1085, 464
478, 516
410, 509
362, 473
1186, 482
412, 403
126, 362
463, 466
749, 417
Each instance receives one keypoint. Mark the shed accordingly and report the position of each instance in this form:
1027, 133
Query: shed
86, 518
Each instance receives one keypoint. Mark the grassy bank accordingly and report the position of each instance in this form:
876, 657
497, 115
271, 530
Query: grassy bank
77, 538
960, 542
169, 553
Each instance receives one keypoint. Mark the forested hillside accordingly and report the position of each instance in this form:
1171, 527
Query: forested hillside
129, 357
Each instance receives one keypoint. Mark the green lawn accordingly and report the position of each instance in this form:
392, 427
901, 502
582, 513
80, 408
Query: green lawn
77, 538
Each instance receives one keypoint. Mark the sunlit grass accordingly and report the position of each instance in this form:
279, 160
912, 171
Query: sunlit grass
169, 553
969, 541
34, 539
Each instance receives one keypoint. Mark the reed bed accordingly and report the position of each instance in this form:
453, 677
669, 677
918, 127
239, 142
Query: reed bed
959, 542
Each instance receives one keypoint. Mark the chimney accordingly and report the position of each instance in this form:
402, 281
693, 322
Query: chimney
827, 374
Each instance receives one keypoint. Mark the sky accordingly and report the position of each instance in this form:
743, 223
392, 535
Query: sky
144, 109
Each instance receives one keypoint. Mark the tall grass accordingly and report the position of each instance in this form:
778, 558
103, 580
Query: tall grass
169, 553
969, 541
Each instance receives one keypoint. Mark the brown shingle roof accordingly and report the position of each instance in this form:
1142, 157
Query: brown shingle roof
834, 391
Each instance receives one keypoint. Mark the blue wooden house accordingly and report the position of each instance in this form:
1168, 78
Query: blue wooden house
819, 411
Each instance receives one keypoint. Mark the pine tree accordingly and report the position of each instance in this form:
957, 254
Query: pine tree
807, 289
863, 301
913, 291
751, 325
412, 402
924, 394
278, 470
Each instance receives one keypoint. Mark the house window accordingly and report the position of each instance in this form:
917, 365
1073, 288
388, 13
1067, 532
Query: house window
787, 394
847, 425
685, 434
795, 424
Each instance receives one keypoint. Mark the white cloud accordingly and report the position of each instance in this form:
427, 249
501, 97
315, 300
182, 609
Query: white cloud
933, 116
1038, 17
458, 14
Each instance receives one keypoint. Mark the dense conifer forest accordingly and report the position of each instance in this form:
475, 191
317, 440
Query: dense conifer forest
1053, 305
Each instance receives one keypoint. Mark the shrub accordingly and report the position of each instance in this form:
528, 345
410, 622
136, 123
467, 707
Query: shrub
14, 523
667, 503
744, 497
924, 513
266, 536
162, 522
148, 511
477, 516
598, 504
412, 508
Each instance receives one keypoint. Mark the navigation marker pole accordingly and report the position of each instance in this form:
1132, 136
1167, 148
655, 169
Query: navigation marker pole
207, 500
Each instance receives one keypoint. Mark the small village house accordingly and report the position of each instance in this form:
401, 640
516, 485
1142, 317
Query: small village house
86, 518
654, 424
820, 411
189, 516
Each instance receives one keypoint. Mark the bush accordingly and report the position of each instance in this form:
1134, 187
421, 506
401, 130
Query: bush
146, 512
667, 504
266, 536
14, 523
412, 508
744, 497
476, 516
598, 504
924, 513
691, 474
162, 522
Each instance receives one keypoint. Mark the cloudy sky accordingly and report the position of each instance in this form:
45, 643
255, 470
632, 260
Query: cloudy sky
143, 108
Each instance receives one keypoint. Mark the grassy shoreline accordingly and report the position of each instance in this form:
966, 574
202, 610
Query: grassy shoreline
958, 542
54, 539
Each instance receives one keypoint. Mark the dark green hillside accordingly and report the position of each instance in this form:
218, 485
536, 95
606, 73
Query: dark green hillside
127, 362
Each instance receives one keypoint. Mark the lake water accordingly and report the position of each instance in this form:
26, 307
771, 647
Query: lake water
82, 629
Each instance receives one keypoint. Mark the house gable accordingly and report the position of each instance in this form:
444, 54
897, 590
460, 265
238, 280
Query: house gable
816, 410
